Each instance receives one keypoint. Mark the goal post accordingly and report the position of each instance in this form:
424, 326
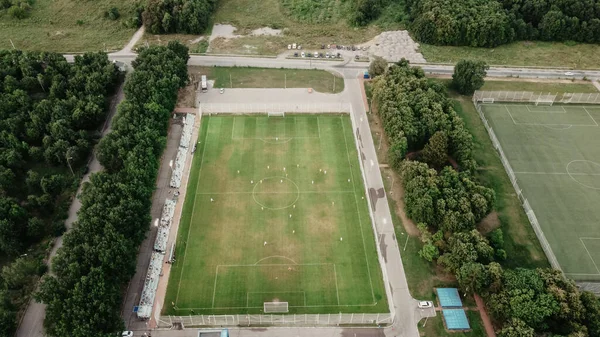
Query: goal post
276, 114
546, 102
275, 307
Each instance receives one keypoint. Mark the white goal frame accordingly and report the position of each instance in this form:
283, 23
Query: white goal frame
542, 101
275, 307
276, 114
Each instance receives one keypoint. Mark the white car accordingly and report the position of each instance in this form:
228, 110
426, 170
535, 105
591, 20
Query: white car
568, 73
293, 46
289, 46
316, 54
221, 90
127, 334
425, 305
302, 54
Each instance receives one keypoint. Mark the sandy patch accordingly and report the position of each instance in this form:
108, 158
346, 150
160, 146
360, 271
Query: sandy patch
393, 46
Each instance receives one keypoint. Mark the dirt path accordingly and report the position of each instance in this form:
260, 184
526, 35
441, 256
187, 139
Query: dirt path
134, 40
485, 318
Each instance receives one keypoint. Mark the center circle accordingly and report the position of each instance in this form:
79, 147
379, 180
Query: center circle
275, 193
585, 172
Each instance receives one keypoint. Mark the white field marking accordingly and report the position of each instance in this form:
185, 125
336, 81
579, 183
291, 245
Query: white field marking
358, 209
275, 265
559, 173
272, 292
193, 207
299, 192
289, 306
276, 139
581, 274
547, 124
273, 256
586, 110
571, 175
337, 291
568, 126
548, 112
588, 252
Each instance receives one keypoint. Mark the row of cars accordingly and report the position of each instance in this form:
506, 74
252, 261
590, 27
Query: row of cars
330, 46
318, 55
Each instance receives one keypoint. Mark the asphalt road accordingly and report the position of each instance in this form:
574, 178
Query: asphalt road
299, 63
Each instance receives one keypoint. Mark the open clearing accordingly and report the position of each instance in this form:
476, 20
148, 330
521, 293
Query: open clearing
522, 53
276, 212
244, 77
554, 151
53, 26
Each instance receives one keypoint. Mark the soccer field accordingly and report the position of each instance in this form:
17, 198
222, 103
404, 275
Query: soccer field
554, 152
275, 211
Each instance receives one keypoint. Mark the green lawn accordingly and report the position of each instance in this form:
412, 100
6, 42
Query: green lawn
244, 77
539, 87
554, 155
275, 211
434, 327
53, 26
523, 53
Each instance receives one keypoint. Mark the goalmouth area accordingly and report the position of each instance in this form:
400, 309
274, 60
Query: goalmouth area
552, 155
275, 212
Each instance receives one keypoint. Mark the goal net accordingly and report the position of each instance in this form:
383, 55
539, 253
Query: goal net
276, 114
544, 102
278, 307
487, 100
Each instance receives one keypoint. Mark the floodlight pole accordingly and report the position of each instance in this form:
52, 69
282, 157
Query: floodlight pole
69, 163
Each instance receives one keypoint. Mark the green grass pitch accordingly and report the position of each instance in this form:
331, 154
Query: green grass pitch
275, 211
555, 154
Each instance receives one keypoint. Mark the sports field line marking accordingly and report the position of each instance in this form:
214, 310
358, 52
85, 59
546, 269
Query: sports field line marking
337, 291
272, 256
290, 306
586, 110
582, 274
187, 239
548, 112
590, 255
273, 292
298, 192
548, 124
358, 209
559, 173
280, 140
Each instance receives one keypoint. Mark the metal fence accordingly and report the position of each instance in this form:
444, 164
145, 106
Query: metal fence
241, 108
283, 320
532, 97
513, 179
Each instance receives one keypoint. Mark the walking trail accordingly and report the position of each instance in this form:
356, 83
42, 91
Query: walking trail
487, 323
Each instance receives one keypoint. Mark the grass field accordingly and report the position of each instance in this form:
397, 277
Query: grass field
53, 26
586, 87
522, 53
554, 154
275, 211
244, 77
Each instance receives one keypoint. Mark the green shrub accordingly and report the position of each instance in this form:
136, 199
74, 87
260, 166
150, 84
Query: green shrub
112, 13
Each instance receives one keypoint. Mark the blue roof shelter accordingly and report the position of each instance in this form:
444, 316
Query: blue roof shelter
456, 319
449, 298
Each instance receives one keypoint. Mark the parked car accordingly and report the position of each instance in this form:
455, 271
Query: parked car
425, 305
299, 47
338, 55
568, 73
322, 46
321, 55
127, 334
327, 55
316, 54
221, 91
293, 46
289, 46
353, 48
356, 57
296, 54
302, 54
328, 46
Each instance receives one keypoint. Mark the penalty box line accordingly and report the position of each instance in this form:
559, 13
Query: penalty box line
284, 138
273, 265
552, 124
273, 292
588, 252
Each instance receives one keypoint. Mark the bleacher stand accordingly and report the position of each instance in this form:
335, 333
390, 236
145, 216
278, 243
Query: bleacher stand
184, 144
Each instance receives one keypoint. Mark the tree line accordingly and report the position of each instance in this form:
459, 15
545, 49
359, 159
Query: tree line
178, 16
50, 113
447, 202
98, 256
489, 23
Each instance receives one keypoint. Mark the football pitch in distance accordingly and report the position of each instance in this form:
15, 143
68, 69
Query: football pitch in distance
275, 211
554, 152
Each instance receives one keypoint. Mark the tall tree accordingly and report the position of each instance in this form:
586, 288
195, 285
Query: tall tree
469, 76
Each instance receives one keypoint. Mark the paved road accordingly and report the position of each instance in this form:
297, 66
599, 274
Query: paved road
198, 60
32, 323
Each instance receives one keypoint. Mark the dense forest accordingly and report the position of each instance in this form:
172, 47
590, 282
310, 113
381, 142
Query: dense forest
431, 149
178, 16
489, 23
90, 271
50, 115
